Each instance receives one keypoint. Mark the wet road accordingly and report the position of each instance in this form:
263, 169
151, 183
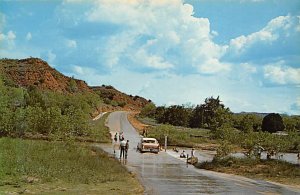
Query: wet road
164, 174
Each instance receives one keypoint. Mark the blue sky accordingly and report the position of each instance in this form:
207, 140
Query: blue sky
170, 51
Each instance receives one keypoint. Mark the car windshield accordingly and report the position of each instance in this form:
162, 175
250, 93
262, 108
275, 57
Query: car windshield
149, 141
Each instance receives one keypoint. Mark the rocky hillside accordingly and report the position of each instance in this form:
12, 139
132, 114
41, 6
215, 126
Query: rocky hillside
34, 72
114, 97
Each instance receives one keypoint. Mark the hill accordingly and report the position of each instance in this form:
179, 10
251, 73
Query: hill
36, 73
114, 97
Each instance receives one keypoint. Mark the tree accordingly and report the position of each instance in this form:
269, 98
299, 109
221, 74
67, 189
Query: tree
20, 124
177, 115
291, 123
215, 113
196, 120
247, 123
73, 86
160, 114
148, 110
272, 123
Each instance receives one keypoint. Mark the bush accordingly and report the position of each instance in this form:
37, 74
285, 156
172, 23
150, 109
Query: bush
272, 123
34, 111
223, 150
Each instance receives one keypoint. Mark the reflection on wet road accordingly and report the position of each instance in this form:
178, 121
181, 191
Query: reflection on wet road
164, 174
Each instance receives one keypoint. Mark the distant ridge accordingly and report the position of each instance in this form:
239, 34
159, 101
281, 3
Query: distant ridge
260, 114
255, 113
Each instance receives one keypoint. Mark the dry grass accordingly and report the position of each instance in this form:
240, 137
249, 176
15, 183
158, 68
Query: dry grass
135, 122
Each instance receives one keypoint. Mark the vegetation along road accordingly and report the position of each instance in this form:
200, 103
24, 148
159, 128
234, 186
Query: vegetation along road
163, 174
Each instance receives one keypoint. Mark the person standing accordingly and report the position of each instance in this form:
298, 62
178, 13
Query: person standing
115, 142
121, 136
192, 152
122, 148
116, 137
126, 149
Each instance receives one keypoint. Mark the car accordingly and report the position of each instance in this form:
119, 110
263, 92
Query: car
148, 144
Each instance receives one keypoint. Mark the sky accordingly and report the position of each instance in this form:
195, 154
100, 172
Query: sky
170, 51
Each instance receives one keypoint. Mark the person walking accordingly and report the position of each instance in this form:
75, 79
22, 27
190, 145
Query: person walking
122, 148
126, 149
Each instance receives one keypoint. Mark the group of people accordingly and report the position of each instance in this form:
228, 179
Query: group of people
121, 136
183, 154
124, 145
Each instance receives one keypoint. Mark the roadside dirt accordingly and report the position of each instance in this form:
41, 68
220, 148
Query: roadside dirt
135, 122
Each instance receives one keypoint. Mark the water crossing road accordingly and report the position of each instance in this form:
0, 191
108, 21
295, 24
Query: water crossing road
163, 174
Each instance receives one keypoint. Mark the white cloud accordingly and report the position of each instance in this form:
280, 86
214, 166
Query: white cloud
78, 70
297, 28
212, 66
71, 44
2, 36
8, 40
51, 57
249, 68
81, 71
193, 88
160, 34
214, 33
271, 32
28, 36
238, 1
279, 73
152, 61
11, 35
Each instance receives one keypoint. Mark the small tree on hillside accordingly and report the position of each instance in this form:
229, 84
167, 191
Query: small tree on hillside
272, 123
73, 86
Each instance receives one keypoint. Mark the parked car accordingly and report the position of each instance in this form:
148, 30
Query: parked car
148, 145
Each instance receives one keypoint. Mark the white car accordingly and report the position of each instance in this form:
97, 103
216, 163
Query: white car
148, 145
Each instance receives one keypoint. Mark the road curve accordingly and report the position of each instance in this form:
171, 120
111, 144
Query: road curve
163, 174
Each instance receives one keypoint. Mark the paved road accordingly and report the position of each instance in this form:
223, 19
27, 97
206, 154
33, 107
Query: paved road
164, 174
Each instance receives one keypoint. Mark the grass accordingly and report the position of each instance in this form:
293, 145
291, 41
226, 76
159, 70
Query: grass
60, 167
100, 132
148, 121
273, 170
182, 137
177, 136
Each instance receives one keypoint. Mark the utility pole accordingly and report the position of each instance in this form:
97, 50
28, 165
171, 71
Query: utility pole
166, 140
